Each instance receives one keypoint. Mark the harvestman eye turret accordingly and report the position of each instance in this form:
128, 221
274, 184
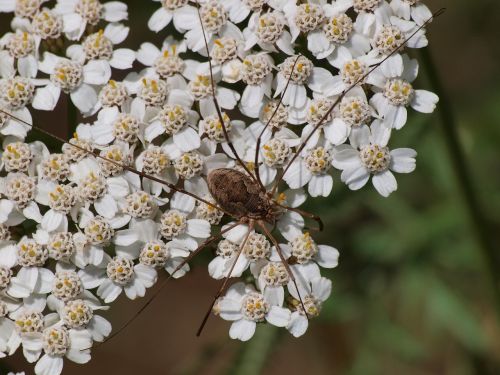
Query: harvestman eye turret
239, 195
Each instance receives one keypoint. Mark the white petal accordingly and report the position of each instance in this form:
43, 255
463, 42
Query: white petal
297, 175
159, 20
46, 98
346, 159
241, 266
7, 6
147, 54
229, 309
295, 95
118, 187
285, 43
320, 81
99, 327
237, 234
147, 275
278, 316
360, 136
134, 289
172, 265
76, 53
154, 130
337, 132
320, 185
403, 160
44, 282
227, 98
51, 220
125, 237
238, 14
410, 69
102, 134
328, 257
187, 139
6, 65
318, 44
84, 98
242, 330
130, 252
321, 288
80, 341
198, 228
96, 72
180, 97
123, 58
49, 62
274, 295
109, 291
106, 206
396, 116
78, 356
91, 277
298, 324
424, 101
32, 211
290, 225
49, 365
27, 66
35, 302
115, 11
216, 268
18, 289
385, 183
26, 277
420, 13
380, 133
8, 256
355, 178
182, 202
116, 32
393, 66
252, 97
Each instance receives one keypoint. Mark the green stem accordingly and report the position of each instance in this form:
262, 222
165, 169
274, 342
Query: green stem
478, 221
254, 353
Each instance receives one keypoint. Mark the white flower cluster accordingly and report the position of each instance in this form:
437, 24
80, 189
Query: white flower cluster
300, 88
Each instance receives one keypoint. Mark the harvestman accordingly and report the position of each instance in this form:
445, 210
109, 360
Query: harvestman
240, 195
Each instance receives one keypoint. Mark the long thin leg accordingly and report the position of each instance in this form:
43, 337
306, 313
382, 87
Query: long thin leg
165, 281
216, 103
114, 162
309, 215
226, 280
259, 138
341, 96
285, 263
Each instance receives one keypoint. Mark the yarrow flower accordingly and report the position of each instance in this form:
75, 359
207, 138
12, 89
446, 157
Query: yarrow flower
188, 147
246, 307
394, 91
100, 46
72, 77
368, 155
77, 15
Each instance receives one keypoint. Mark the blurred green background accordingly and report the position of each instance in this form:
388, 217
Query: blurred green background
417, 283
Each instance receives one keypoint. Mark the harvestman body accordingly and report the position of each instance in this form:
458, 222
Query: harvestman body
241, 196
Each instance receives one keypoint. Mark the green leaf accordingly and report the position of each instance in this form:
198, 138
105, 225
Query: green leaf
451, 311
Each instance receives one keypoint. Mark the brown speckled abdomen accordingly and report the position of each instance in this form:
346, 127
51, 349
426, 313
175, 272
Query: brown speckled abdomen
238, 194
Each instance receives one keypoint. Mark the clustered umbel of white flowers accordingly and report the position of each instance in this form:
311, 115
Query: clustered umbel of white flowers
76, 231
